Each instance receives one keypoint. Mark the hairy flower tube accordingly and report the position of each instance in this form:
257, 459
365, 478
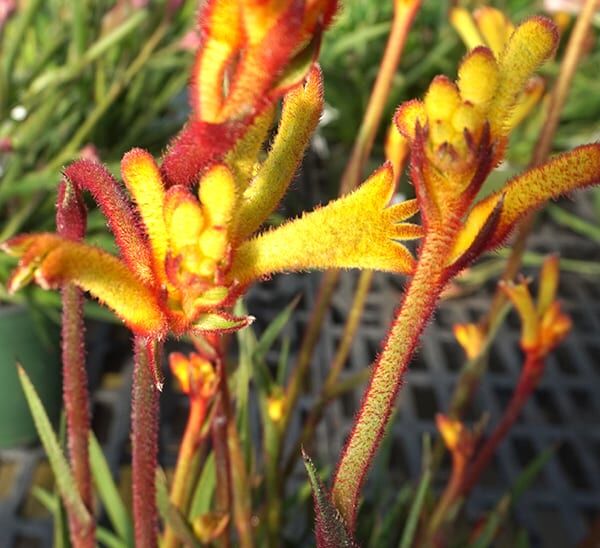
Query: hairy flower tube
190, 256
251, 53
457, 135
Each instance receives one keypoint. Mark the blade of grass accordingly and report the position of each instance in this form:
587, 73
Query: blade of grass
171, 515
410, 529
108, 492
58, 463
524, 481
202, 499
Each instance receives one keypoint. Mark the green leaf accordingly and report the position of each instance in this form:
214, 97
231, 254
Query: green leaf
389, 525
274, 329
172, 515
221, 322
110, 540
108, 493
297, 69
331, 530
410, 528
498, 514
201, 502
62, 473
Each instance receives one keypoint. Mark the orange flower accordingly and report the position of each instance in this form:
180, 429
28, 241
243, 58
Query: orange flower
196, 376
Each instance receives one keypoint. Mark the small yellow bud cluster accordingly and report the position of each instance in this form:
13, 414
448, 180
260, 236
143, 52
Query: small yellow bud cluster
195, 375
198, 231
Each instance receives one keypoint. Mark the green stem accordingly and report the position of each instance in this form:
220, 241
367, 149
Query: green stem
417, 307
144, 440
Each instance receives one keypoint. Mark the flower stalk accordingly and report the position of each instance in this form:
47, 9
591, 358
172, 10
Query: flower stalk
144, 441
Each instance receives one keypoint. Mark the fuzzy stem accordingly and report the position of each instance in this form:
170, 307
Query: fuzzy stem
528, 381
417, 307
182, 486
77, 410
144, 440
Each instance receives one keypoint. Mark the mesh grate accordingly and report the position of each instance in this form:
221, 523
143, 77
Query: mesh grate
556, 512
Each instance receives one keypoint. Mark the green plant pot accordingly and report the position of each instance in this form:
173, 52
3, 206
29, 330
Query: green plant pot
34, 343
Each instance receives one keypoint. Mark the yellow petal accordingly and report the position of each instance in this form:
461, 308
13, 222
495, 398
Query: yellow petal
142, 178
532, 43
526, 102
183, 218
396, 150
355, 231
245, 155
495, 28
548, 284
408, 115
520, 296
478, 77
442, 99
465, 26
55, 261
301, 111
472, 227
218, 196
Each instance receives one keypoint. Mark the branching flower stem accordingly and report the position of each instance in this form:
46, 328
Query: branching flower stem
528, 381
415, 311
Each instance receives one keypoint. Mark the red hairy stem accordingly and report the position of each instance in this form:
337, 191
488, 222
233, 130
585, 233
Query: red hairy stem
144, 440
182, 486
71, 223
528, 381
415, 311
77, 410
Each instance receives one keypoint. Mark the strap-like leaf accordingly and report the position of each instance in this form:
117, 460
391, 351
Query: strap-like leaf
58, 462
331, 530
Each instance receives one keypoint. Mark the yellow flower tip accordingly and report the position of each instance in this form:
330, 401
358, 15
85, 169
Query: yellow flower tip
526, 101
276, 407
142, 178
465, 26
532, 43
442, 99
554, 327
183, 218
408, 116
520, 297
196, 376
478, 77
471, 338
396, 149
208, 527
218, 195
549, 275
494, 26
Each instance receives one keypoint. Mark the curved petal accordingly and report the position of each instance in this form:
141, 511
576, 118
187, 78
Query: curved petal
355, 231
301, 110
54, 261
